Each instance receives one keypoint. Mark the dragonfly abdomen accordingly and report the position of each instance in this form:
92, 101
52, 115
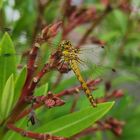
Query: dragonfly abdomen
76, 70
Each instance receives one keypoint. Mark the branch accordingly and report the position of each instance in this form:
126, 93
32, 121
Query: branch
34, 135
76, 89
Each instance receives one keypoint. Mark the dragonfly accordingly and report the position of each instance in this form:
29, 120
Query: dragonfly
69, 55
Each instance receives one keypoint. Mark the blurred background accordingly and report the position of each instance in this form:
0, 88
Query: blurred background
109, 23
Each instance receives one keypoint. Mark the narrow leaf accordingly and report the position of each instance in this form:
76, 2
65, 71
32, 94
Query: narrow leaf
19, 83
7, 62
42, 90
122, 20
73, 123
7, 99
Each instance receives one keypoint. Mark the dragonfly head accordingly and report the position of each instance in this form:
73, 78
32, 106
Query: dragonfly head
65, 45
67, 50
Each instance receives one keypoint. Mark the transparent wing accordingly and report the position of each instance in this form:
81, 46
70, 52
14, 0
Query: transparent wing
94, 61
92, 53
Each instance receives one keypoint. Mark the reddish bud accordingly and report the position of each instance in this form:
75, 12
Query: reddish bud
117, 131
114, 122
107, 126
90, 13
59, 102
116, 125
105, 2
51, 100
51, 30
43, 98
49, 103
126, 6
50, 94
118, 93
97, 41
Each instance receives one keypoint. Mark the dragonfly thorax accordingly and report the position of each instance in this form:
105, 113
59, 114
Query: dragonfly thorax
68, 56
68, 52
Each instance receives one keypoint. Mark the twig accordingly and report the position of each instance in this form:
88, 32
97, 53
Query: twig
34, 135
76, 97
59, 77
76, 89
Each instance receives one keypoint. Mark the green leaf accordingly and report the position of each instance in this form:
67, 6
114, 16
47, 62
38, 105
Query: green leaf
19, 83
42, 90
121, 19
68, 82
7, 99
110, 35
123, 78
71, 124
7, 63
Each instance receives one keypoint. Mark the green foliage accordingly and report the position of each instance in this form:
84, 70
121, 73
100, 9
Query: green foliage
7, 64
42, 90
19, 83
119, 30
7, 98
10, 85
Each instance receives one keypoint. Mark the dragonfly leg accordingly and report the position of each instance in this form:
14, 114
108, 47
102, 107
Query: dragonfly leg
64, 67
62, 63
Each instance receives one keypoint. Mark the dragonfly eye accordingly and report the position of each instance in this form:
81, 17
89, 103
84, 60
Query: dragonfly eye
65, 45
68, 43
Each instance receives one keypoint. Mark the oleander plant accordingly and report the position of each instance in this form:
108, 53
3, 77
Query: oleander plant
69, 69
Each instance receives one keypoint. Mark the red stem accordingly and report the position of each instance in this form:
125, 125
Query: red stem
34, 135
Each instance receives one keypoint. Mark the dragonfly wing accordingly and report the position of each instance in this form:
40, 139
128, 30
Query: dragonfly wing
94, 60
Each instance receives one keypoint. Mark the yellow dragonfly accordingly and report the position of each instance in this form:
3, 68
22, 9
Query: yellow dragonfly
69, 55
